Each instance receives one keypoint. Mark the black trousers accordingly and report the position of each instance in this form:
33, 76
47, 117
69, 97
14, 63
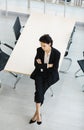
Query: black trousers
41, 85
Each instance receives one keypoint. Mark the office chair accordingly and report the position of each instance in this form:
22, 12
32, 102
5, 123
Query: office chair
67, 61
3, 60
4, 56
17, 28
81, 64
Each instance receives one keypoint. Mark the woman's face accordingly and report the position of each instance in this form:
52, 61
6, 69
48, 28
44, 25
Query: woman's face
45, 46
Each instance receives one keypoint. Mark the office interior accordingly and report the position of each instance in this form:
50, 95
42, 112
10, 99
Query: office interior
65, 109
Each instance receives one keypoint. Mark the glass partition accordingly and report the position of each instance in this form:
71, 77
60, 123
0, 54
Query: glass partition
14, 5
2, 4
57, 7
17, 5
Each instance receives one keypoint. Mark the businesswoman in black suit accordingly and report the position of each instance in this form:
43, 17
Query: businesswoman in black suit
45, 73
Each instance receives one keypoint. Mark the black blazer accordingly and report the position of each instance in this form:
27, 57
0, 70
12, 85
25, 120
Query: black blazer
41, 69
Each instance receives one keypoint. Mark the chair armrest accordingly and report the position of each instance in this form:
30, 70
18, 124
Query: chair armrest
8, 46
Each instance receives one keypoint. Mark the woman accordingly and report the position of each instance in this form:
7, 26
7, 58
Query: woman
45, 73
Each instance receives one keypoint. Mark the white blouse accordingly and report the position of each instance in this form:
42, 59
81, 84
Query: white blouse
47, 57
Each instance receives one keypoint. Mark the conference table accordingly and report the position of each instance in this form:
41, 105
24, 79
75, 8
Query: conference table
59, 28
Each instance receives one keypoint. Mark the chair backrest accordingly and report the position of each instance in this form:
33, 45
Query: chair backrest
17, 28
81, 63
3, 59
5, 51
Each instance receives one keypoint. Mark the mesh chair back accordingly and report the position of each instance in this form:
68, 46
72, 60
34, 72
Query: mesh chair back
17, 28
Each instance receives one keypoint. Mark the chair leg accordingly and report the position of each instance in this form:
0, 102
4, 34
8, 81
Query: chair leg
83, 88
17, 80
51, 92
76, 76
14, 74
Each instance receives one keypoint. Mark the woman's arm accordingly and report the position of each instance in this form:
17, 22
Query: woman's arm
39, 59
56, 58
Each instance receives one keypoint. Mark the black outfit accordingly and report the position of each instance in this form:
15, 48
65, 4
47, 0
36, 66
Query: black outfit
45, 77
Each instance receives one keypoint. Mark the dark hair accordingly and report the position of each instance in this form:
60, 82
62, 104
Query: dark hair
46, 39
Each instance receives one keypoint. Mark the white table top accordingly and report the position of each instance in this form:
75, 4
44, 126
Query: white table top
22, 57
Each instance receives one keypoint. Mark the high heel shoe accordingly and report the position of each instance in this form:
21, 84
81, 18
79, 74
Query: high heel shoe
31, 121
39, 122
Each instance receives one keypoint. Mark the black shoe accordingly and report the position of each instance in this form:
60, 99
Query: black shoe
31, 121
39, 122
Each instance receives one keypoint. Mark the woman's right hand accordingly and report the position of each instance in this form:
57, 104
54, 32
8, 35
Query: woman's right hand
39, 61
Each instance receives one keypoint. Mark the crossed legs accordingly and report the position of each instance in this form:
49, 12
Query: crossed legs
41, 86
37, 115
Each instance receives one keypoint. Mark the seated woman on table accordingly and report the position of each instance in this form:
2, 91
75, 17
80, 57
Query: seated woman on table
45, 73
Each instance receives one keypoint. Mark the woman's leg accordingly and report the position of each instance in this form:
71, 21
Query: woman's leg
37, 115
38, 105
39, 88
46, 85
37, 112
39, 97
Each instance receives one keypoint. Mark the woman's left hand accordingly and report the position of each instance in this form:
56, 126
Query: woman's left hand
49, 65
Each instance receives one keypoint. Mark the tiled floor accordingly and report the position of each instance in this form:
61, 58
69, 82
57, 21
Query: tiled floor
63, 111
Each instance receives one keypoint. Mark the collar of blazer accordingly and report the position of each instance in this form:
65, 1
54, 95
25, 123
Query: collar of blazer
43, 53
